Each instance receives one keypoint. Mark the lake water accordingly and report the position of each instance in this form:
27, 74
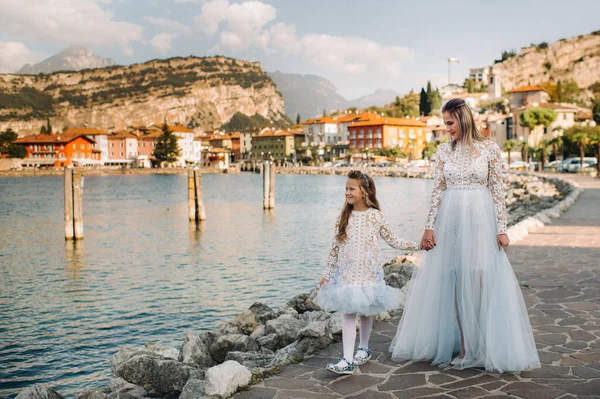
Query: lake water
144, 273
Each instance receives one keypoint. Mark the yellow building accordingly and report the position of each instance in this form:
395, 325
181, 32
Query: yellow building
408, 135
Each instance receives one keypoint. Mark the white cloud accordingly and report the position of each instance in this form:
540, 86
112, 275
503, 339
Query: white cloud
244, 23
169, 25
13, 55
162, 42
79, 22
252, 24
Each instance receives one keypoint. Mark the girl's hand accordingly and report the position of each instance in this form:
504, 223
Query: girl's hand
323, 281
503, 241
428, 240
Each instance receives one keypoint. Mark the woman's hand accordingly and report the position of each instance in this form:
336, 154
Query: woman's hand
503, 241
428, 240
323, 281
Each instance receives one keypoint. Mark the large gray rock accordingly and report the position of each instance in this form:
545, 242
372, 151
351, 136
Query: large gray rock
262, 312
94, 394
303, 303
150, 349
225, 379
231, 342
315, 329
259, 332
285, 328
244, 323
252, 360
196, 350
269, 341
316, 315
39, 392
335, 324
194, 389
119, 385
159, 376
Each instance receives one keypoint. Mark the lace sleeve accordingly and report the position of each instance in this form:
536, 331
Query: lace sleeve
333, 254
439, 186
386, 232
496, 188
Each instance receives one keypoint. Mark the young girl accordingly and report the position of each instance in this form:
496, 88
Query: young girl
353, 281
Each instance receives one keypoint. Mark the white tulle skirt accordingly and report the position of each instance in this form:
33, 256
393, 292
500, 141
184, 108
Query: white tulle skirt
365, 300
466, 284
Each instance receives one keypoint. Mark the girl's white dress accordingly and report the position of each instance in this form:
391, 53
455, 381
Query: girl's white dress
466, 283
356, 284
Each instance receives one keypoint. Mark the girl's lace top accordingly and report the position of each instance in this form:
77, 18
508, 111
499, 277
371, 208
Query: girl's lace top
468, 167
356, 260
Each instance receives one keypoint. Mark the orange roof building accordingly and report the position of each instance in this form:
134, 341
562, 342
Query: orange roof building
58, 150
409, 135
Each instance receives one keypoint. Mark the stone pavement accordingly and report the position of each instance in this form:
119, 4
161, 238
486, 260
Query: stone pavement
558, 266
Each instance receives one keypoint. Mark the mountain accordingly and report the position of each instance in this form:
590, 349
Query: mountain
196, 92
309, 95
576, 59
379, 98
73, 58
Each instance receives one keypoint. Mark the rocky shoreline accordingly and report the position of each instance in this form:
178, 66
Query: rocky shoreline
261, 341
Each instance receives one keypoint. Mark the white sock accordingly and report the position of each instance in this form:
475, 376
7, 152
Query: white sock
349, 335
366, 326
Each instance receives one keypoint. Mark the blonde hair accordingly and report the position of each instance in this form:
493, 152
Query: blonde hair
458, 108
369, 192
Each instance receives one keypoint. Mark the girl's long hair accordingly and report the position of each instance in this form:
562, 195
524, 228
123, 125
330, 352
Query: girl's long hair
367, 187
458, 108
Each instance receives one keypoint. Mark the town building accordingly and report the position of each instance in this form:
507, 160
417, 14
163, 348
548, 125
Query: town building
407, 134
59, 150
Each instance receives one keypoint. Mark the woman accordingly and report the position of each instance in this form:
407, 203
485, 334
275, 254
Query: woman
464, 305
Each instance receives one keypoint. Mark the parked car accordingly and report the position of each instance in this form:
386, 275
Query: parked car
552, 166
418, 163
327, 164
519, 165
573, 165
383, 164
340, 164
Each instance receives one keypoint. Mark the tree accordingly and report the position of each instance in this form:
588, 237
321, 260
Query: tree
423, 103
536, 116
596, 112
508, 146
8, 147
430, 149
524, 145
555, 143
324, 113
434, 99
581, 137
298, 119
17, 151
166, 149
544, 144
595, 141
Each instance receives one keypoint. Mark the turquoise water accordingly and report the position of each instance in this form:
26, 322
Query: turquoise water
144, 273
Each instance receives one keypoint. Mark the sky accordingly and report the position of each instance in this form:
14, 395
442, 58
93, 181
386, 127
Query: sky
360, 46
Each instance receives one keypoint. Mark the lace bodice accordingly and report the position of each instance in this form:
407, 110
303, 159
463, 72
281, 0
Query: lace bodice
468, 167
356, 260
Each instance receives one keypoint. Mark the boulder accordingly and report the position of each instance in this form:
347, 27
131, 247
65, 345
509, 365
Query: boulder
269, 341
316, 329
196, 350
316, 315
231, 342
252, 360
259, 332
94, 394
159, 376
301, 303
39, 392
285, 328
335, 324
119, 385
225, 379
151, 349
244, 323
262, 312
193, 389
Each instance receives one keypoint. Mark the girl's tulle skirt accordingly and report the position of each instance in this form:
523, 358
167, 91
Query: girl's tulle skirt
466, 286
357, 299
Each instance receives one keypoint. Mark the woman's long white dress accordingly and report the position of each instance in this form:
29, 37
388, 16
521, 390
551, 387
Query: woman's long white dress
466, 283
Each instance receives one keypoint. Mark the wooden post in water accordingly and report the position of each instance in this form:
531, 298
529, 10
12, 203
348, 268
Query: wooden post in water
191, 196
69, 203
78, 203
272, 186
200, 212
266, 184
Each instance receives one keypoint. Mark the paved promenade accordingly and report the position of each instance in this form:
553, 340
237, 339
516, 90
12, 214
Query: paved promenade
558, 267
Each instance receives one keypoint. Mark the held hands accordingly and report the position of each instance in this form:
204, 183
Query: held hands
323, 281
503, 241
428, 241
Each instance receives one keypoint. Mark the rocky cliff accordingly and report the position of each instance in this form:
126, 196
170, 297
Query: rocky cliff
196, 92
577, 59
